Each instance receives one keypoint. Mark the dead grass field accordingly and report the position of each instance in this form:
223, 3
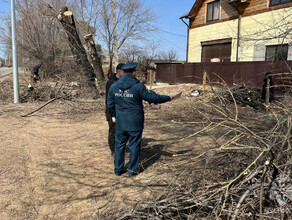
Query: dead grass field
202, 157
55, 164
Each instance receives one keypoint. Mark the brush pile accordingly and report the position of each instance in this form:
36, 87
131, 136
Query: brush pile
6, 89
244, 96
41, 91
244, 173
45, 92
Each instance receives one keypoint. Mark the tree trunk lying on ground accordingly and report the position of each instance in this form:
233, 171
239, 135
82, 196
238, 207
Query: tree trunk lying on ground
86, 71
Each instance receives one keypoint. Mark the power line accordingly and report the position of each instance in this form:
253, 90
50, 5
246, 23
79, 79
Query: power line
177, 46
179, 35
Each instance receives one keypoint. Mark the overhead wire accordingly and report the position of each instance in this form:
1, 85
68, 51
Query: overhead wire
167, 32
177, 46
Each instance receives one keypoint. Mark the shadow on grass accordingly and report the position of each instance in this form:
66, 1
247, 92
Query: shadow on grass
151, 154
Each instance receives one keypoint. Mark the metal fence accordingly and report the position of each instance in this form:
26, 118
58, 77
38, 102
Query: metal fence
233, 73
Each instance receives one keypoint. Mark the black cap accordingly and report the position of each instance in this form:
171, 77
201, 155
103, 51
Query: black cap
119, 66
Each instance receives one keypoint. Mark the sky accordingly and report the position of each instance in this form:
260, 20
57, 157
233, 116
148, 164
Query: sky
5, 5
172, 32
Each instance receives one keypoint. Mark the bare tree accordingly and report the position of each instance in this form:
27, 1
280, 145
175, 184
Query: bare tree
115, 34
168, 56
87, 11
5, 42
144, 55
132, 53
133, 23
40, 37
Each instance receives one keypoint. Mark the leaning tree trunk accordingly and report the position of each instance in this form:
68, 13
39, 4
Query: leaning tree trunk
79, 53
96, 60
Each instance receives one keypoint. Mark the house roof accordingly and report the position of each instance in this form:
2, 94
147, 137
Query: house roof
196, 7
194, 11
185, 15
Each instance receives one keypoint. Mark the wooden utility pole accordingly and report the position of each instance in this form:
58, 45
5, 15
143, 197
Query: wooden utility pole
78, 51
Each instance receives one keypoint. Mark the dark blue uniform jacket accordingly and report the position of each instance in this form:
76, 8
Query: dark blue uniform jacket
125, 102
35, 69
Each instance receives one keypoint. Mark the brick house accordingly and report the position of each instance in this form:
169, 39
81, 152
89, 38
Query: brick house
239, 30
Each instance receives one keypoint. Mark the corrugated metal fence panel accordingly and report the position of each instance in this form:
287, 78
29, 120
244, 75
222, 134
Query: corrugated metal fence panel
188, 73
252, 73
167, 73
248, 73
226, 71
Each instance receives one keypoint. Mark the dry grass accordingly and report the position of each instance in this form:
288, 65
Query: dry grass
220, 160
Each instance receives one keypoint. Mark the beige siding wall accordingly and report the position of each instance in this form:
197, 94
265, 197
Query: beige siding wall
264, 29
216, 31
257, 31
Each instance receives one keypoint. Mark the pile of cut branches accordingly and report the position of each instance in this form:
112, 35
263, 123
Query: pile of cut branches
243, 95
44, 92
41, 91
6, 89
244, 173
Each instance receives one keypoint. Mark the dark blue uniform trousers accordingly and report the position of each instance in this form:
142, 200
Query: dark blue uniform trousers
135, 139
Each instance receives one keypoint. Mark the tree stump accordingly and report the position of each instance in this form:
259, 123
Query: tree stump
96, 60
88, 86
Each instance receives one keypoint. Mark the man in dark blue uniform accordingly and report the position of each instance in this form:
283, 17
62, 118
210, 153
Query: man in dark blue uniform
112, 126
35, 72
125, 102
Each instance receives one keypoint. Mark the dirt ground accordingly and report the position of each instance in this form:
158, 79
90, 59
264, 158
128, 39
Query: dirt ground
55, 164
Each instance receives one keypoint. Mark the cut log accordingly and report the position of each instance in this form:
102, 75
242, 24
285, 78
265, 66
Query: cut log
86, 70
96, 59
